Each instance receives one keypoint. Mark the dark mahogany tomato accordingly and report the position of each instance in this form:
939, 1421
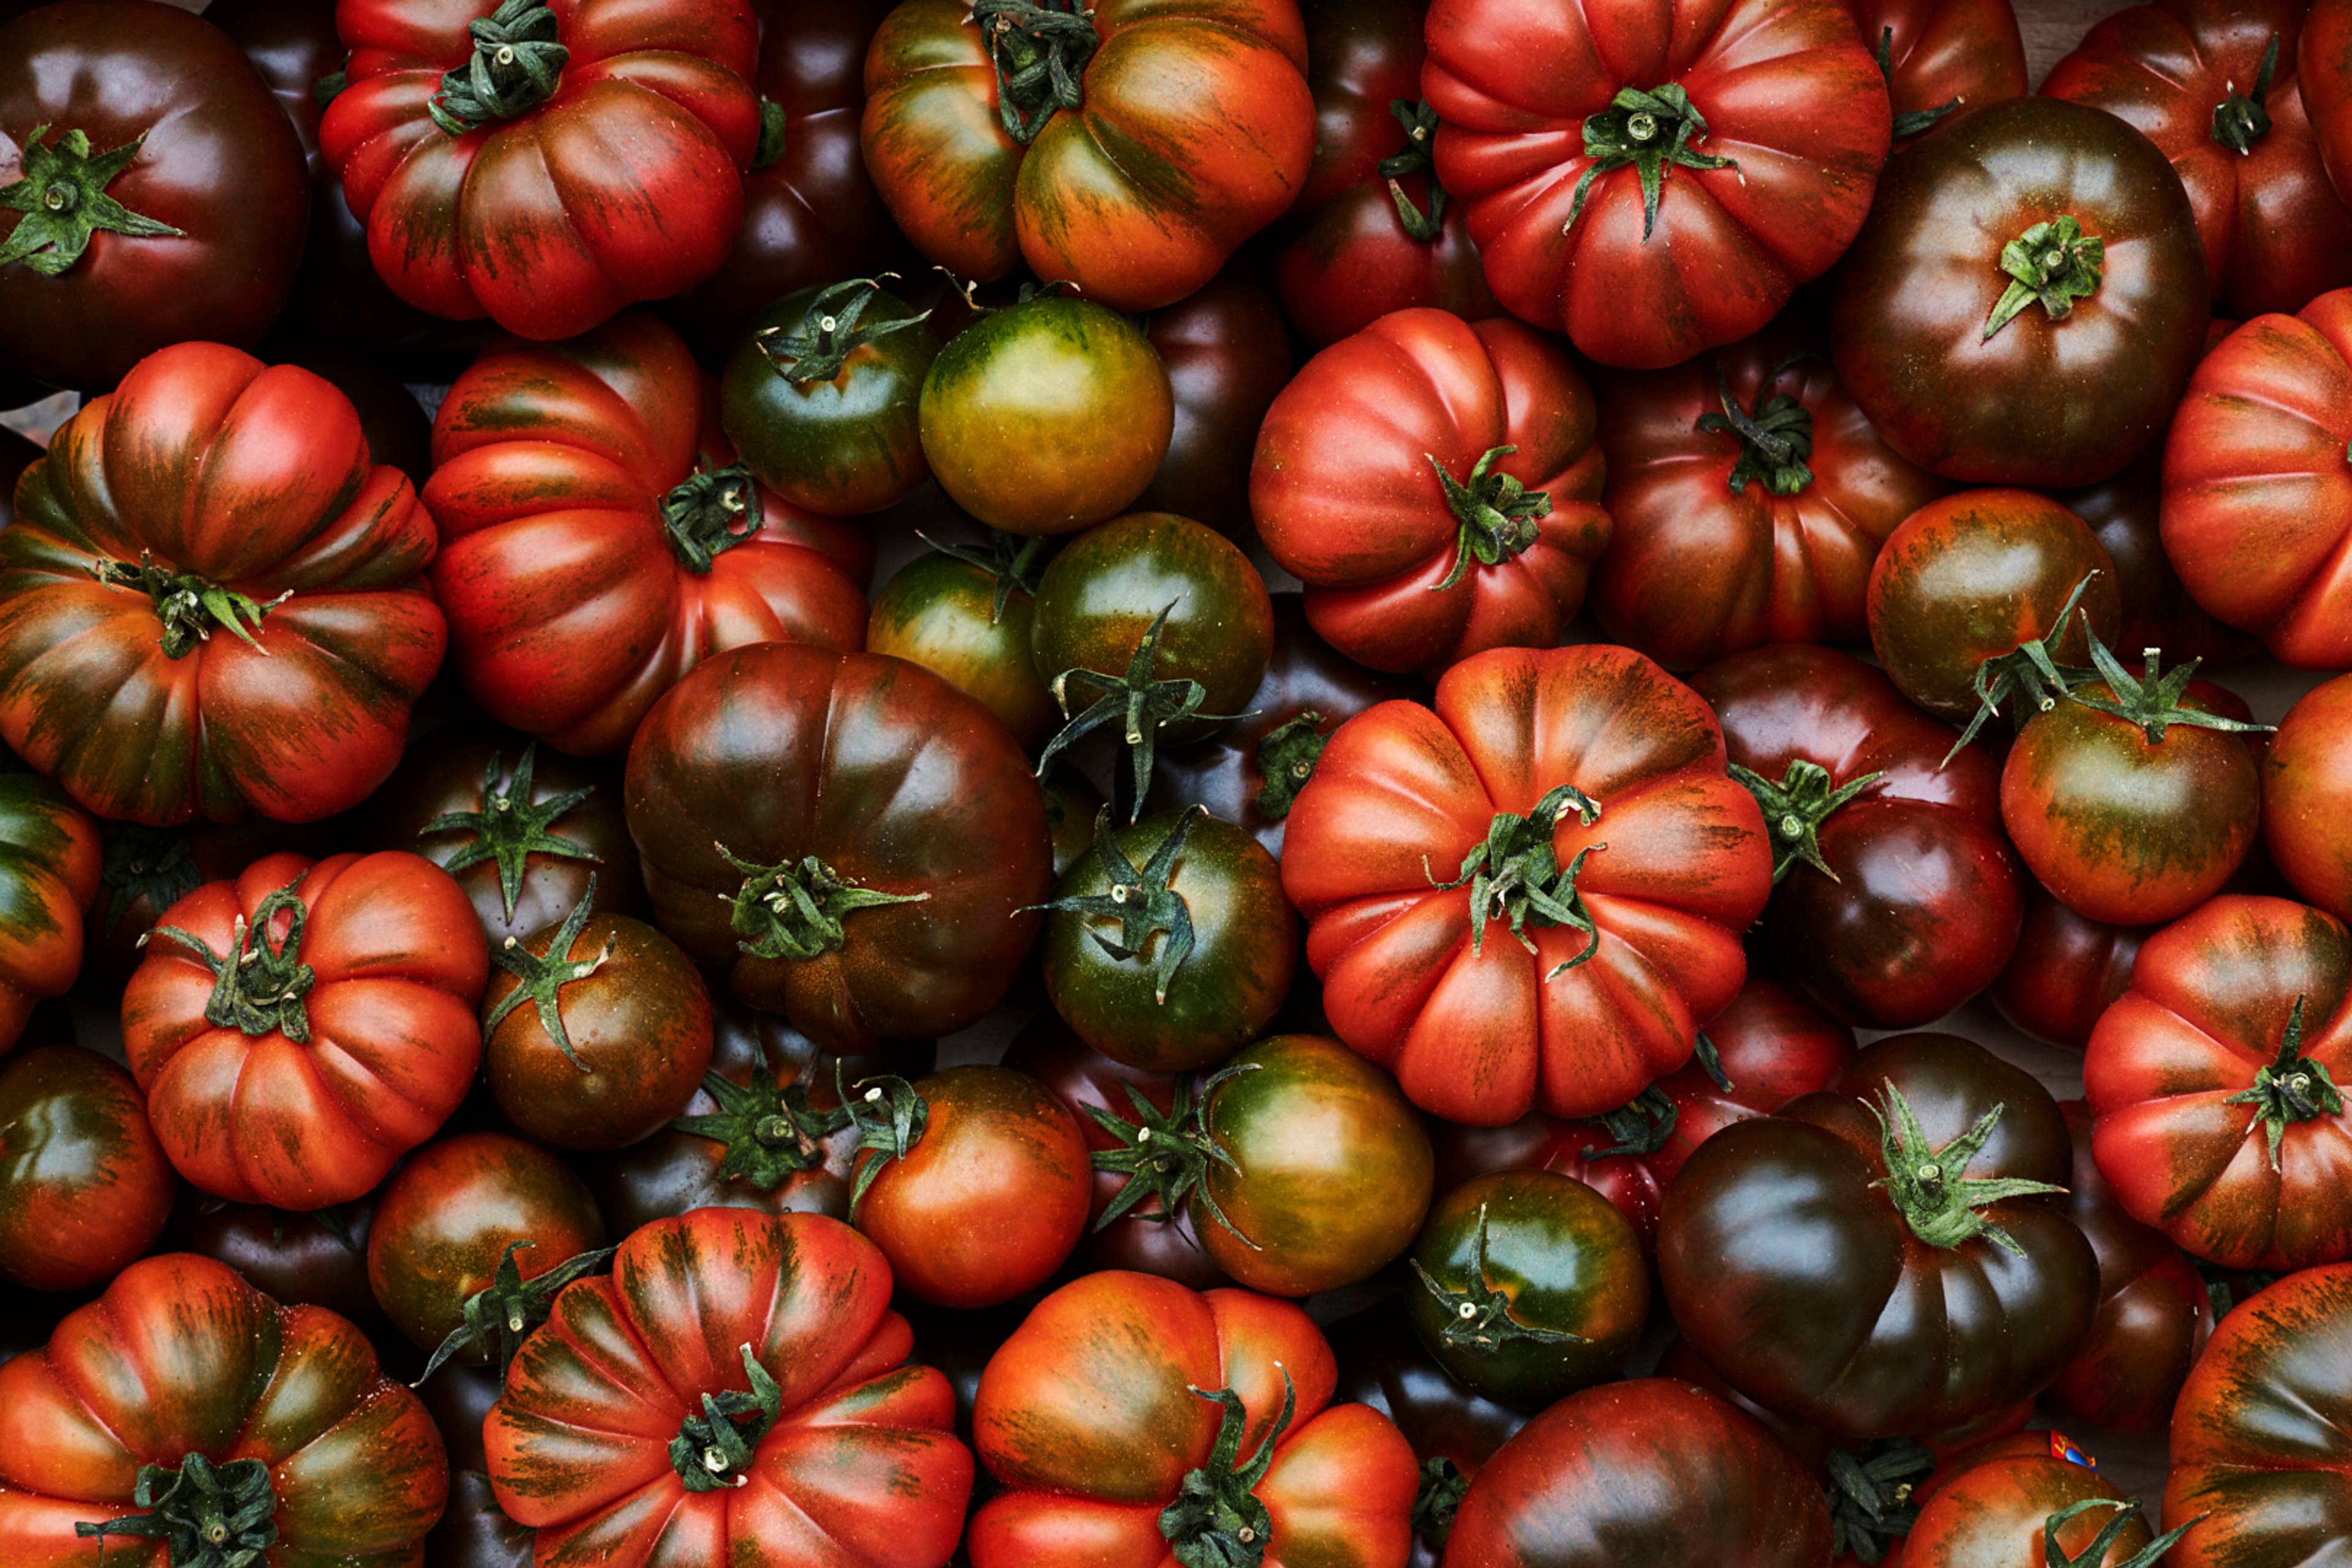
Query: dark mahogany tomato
737, 1392
884, 843
1372, 231
1940, 56
84, 1187
600, 540
821, 399
1326, 1171
317, 1258
967, 613
2324, 71
16, 455
2029, 1511
1897, 898
2258, 1433
474, 1531
985, 1196
2124, 512
1072, 804
1130, 1420
158, 192
1528, 1285
211, 602
1226, 355
1747, 497
1251, 772
2066, 970
1057, 135
2307, 796
49, 866
1770, 1045
595, 1033
2212, 84
552, 165
1046, 416
446, 1223
299, 1029
2057, 371
1576, 800
1910, 1171
184, 1395
2216, 1078
1975, 576
2152, 1313
2257, 487
1171, 946
1654, 1473
1656, 184
1435, 485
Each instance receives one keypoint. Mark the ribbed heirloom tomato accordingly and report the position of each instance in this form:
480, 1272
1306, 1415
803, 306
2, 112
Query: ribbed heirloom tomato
2307, 796
49, 862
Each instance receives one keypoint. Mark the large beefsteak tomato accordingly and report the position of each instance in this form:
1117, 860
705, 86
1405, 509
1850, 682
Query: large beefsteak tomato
49, 868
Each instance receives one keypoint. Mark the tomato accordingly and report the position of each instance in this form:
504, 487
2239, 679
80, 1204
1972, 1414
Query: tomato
2157, 610
2324, 71
2257, 1453
1579, 795
1054, 134
967, 613
211, 603
2307, 796
2257, 489
474, 1531
182, 1396
317, 1258
1916, 1174
49, 862
1897, 898
1940, 56
1654, 1473
2066, 970
2212, 84
2027, 1512
738, 1391
1226, 354
457, 1212
1046, 416
1656, 184
84, 1187
298, 1029
177, 183
146, 870
1748, 497
1974, 577
2027, 300
1434, 484
2214, 1082
1131, 1420
391, 418
561, 160
884, 840
16, 455
821, 399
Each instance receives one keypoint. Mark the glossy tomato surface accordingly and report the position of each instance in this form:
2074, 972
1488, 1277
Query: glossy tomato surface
1226, 355
2307, 796
1942, 56
50, 863
2065, 971
2000, 1511
84, 1187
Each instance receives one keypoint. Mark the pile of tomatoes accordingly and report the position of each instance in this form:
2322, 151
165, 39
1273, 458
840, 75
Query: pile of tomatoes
1187, 783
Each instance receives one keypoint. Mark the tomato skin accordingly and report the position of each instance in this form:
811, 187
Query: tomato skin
1226, 354
2326, 85
316, 1258
2067, 971
2306, 791
474, 1533
578, 1444
1939, 50
2209, 1004
257, 480
941, 613
1994, 1515
2257, 495
624, 184
84, 1187
2157, 612
1582, 1484
49, 866
2041, 401
1696, 570
1347, 496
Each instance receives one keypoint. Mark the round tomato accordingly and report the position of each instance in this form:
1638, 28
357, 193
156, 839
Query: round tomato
1131, 1420
737, 1392
885, 844
1226, 354
391, 418
49, 865
211, 603
146, 870
967, 613
550, 163
317, 1258
1578, 798
2030, 1510
2027, 300
1897, 898
298, 1029
158, 191
1918, 1175
84, 1187
474, 1531
2157, 612
2066, 970
1940, 56
1046, 132
2324, 71
2215, 1082
1434, 483
2307, 796
1747, 498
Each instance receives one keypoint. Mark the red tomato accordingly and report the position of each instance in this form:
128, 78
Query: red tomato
84, 1187
2323, 70
1656, 181
2028, 1510
550, 161
2307, 796
1434, 484
1576, 800
1940, 56
2066, 970
49, 869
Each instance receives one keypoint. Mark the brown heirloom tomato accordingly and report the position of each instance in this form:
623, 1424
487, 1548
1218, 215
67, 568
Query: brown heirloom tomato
316, 1257
2323, 70
2066, 970
1942, 55
50, 867
84, 1187
1226, 354
2027, 300
2307, 796
2126, 513
474, 1531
